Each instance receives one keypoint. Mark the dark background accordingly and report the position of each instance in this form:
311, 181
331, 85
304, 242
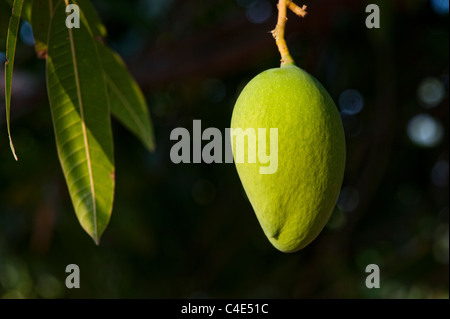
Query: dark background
186, 231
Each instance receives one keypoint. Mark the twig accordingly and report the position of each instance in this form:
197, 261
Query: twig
301, 12
278, 32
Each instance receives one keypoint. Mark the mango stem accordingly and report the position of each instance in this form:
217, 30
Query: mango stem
278, 32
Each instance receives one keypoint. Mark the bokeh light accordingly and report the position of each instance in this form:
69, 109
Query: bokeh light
424, 130
348, 199
24, 84
440, 6
431, 92
259, 12
214, 90
439, 174
49, 287
351, 102
441, 244
15, 278
26, 34
130, 42
2, 58
337, 219
155, 8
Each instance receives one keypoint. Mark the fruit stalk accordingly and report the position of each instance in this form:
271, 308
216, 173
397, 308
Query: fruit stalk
278, 32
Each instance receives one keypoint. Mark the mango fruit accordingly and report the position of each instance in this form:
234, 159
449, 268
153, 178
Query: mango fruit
294, 203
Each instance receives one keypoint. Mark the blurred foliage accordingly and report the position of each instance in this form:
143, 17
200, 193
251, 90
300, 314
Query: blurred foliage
181, 231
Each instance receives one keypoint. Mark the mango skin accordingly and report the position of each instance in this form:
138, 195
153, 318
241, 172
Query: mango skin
293, 204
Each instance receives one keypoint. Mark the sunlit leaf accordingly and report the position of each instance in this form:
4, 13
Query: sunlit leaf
127, 102
11, 42
81, 119
42, 11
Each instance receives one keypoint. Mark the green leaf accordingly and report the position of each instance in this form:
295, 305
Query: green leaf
11, 42
127, 102
95, 23
81, 119
42, 12
26, 9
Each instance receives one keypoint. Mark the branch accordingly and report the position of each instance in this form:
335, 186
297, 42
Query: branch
278, 32
301, 12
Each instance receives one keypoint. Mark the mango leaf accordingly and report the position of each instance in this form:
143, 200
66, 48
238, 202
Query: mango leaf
95, 23
126, 100
26, 9
81, 120
41, 14
11, 42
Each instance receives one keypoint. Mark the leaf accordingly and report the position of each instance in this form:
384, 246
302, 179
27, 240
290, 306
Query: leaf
26, 11
127, 102
95, 23
42, 12
11, 42
26, 8
81, 120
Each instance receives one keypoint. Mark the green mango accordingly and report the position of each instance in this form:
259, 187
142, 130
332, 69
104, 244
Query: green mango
294, 203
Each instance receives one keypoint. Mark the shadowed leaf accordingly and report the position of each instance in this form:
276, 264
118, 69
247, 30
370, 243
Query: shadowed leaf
127, 102
95, 23
11, 42
42, 12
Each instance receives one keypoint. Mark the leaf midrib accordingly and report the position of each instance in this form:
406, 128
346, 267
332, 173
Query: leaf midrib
85, 138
